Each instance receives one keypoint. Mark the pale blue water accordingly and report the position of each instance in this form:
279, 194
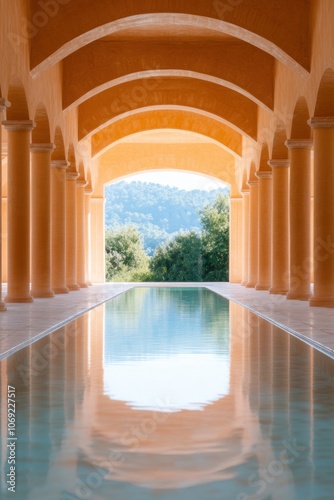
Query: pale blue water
170, 394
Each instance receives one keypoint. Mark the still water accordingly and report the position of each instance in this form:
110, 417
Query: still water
170, 394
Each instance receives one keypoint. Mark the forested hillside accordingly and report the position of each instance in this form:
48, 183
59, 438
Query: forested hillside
158, 211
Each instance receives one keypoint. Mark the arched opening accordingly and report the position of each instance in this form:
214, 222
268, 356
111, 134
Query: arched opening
41, 133
18, 109
325, 102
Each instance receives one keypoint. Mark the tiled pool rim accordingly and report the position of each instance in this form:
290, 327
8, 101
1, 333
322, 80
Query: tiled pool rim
23, 324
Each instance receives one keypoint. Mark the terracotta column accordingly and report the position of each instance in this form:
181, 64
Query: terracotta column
235, 270
81, 234
323, 135
71, 231
245, 235
98, 241
88, 210
58, 233
3, 105
300, 219
19, 133
280, 227
41, 220
265, 210
253, 234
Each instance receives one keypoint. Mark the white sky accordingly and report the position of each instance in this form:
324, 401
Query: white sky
178, 179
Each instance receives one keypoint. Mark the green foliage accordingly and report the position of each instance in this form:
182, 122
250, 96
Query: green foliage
178, 260
215, 240
187, 256
159, 212
125, 257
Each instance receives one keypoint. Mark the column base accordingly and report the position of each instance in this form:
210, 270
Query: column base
278, 291
321, 302
89, 283
83, 285
42, 295
262, 287
73, 288
298, 296
250, 285
59, 291
3, 307
16, 300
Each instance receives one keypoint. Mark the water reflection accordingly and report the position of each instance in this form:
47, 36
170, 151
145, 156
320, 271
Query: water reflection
178, 360
269, 436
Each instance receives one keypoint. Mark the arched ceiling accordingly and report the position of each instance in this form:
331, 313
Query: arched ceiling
133, 157
132, 97
80, 22
206, 67
177, 120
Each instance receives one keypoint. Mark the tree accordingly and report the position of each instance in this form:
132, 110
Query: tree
125, 257
215, 240
178, 260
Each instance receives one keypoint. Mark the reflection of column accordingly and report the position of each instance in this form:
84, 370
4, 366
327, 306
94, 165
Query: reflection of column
265, 201
88, 210
323, 133
41, 220
71, 231
3, 105
300, 199
245, 235
19, 210
280, 227
253, 234
235, 273
98, 241
81, 234
58, 234
3, 420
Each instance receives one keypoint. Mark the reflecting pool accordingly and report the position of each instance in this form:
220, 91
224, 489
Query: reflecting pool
174, 394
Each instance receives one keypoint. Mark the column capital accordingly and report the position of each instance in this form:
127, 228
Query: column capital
321, 122
279, 163
98, 199
72, 176
263, 174
81, 183
253, 182
245, 192
4, 104
42, 148
89, 192
19, 125
62, 164
299, 144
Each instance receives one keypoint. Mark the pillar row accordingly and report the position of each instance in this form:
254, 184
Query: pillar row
19, 133
41, 220
265, 212
280, 227
71, 231
245, 235
58, 233
300, 219
323, 135
3, 105
253, 235
98, 240
88, 219
81, 234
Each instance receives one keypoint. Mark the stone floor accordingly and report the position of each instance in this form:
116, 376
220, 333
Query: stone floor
23, 324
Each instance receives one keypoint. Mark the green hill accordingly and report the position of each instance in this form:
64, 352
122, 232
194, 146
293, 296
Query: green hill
158, 211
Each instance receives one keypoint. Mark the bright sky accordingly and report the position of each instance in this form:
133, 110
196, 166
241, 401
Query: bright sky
178, 179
